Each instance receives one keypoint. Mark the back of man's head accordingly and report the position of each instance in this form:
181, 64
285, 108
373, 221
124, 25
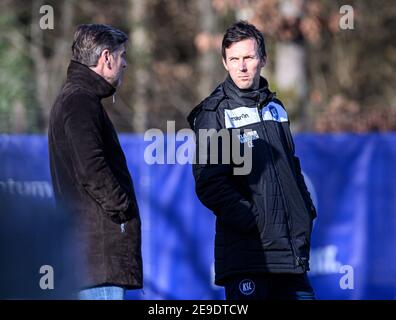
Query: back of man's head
242, 30
91, 39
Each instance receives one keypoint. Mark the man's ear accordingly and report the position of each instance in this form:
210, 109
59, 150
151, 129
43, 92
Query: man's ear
225, 64
263, 62
105, 57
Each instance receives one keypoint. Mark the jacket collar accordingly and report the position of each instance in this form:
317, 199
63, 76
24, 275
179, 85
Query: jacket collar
83, 76
246, 96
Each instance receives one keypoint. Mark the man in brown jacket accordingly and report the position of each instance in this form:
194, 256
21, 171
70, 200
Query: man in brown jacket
88, 167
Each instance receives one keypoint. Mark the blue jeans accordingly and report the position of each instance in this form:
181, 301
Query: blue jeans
269, 287
102, 293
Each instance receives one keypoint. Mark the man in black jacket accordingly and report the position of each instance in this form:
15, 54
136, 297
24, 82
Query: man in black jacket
88, 167
264, 218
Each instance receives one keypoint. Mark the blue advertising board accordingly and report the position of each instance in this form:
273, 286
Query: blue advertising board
351, 180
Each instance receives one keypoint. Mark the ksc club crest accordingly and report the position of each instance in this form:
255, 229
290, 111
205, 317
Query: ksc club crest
246, 287
274, 113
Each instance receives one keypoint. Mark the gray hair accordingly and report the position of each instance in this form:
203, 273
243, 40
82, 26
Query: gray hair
91, 39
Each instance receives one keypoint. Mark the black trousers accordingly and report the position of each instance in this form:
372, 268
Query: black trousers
269, 286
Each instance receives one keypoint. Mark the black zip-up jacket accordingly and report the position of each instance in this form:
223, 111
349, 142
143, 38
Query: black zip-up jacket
264, 218
91, 179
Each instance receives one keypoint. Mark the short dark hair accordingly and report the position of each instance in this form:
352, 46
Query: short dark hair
91, 39
242, 30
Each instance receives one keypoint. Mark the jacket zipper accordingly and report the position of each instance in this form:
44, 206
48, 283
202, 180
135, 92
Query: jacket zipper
288, 218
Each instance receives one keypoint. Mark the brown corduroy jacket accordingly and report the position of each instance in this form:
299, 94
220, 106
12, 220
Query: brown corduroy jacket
91, 180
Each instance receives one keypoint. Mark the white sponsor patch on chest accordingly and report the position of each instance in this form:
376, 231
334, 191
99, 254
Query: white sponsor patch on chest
274, 112
248, 136
240, 117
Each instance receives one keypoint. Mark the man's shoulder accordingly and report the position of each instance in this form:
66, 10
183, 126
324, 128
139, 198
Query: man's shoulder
74, 101
75, 97
211, 102
275, 100
208, 106
73, 91
272, 98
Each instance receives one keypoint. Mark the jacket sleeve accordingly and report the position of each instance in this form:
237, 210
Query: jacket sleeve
83, 125
213, 185
303, 187
298, 172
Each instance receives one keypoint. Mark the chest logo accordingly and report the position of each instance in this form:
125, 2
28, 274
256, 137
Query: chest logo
248, 137
240, 117
274, 112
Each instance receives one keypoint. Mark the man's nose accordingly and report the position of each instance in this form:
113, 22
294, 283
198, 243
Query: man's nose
242, 65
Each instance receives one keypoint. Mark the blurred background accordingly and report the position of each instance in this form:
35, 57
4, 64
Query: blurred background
329, 78
333, 68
